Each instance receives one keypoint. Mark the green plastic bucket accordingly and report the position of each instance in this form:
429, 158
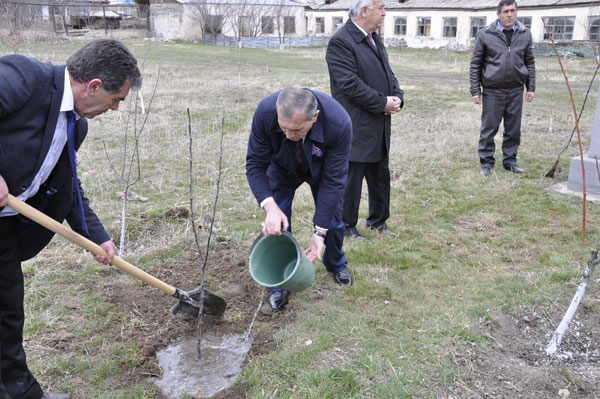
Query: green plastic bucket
278, 262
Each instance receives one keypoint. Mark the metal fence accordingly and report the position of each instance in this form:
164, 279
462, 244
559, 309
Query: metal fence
266, 41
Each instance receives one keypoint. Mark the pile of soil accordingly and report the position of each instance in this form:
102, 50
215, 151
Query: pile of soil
514, 364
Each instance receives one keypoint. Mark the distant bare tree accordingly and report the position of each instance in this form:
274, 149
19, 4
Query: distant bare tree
245, 18
16, 17
211, 17
285, 20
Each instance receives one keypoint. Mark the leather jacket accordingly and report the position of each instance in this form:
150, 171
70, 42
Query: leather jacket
496, 66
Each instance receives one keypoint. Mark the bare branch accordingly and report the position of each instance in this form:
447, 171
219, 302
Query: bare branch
564, 324
131, 171
552, 170
579, 142
212, 222
192, 216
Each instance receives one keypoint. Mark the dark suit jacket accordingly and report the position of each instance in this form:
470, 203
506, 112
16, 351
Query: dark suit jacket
326, 148
30, 97
361, 79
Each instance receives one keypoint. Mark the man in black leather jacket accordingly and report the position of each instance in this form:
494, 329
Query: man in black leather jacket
502, 63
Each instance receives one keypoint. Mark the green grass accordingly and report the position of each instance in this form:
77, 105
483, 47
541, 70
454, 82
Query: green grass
466, 244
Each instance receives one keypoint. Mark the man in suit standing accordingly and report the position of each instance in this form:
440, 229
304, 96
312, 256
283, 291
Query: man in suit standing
502, 63
42, 122
363, 82
300, 135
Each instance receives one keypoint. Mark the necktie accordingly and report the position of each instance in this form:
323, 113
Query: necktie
299, 155
72, 155
370, 38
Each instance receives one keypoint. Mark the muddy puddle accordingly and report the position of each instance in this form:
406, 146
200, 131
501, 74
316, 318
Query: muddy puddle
185, 375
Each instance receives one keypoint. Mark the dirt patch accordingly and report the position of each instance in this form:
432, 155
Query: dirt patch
511, 363
151, 326
514, 363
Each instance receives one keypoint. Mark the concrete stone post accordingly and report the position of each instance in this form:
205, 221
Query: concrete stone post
592, 179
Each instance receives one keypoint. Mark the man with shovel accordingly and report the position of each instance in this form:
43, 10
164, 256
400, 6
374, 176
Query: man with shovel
301, 135
42, 123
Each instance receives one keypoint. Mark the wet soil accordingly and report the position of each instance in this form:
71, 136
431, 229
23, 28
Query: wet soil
152, 327
509, 363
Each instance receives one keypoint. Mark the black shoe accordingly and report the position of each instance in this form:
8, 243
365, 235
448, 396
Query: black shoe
351, 232
55, 395
278, 300
343, 277
514, 168
383, 229
486, 171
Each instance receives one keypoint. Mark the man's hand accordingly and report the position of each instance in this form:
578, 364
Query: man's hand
275, 220
392, 106
315, 249
529, 96
110, 249
477, 99
3, 192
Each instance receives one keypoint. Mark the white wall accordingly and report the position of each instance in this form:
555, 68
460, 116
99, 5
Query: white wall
328, 15
167, 21
582, 18
463, 40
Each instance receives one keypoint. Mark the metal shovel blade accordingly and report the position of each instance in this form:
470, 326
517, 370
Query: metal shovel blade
188, 305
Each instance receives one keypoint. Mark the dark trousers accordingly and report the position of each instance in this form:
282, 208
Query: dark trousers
377, 175
284, 187
498, 106
16, 380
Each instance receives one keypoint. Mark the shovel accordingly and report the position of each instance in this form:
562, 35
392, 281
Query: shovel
188, 306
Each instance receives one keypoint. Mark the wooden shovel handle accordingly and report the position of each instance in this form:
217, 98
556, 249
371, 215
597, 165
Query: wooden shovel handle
52, 225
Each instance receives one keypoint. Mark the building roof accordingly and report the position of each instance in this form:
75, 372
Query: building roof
58, 2
105, 14
249, 2
458, 4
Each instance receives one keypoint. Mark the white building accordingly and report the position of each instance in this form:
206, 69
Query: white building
193, 19
454, 23
415, 23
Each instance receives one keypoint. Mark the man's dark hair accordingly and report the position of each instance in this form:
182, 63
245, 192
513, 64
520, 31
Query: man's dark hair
293, 99
506, 3
107, 60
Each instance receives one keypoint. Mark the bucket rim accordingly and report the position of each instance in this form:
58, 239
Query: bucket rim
298, 257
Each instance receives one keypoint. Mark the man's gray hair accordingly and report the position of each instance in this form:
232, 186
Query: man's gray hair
107, 60
294, 99
503, 3
357, 5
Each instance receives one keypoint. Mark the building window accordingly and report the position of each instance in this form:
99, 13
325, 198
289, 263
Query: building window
266, 25
561, 28
337, 22
525, 21
423, 26
400, 26
450, 27
477, 24
595, 29
213, 24
319, 25
289, 25
245, 26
